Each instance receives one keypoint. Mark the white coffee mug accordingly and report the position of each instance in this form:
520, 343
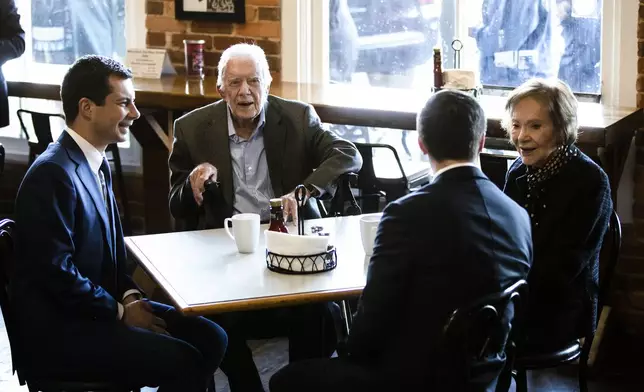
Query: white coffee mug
245, 231
368, 229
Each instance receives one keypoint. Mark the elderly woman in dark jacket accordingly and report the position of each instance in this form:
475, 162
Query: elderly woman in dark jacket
567, 196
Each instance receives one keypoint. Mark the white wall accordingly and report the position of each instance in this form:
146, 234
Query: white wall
624, 61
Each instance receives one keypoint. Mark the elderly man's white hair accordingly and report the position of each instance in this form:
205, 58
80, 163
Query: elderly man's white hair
253, 52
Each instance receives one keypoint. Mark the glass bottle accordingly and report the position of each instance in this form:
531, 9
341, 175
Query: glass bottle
438, 69
277, 217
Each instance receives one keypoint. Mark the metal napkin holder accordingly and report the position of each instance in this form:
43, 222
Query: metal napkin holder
476, 92
307, 264
310, 264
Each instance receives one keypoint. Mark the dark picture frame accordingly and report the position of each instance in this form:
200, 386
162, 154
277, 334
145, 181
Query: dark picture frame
187, 10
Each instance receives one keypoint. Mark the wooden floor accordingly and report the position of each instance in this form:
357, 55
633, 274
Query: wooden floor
270, 355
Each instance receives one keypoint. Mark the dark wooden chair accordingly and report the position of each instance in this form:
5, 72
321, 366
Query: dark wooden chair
373, 189
2, 157
343, 203
477, 332
33, 382
42, 129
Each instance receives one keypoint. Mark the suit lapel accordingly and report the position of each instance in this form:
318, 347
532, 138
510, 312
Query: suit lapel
274, 145
522, 184
218, 146
517, 183
90, 183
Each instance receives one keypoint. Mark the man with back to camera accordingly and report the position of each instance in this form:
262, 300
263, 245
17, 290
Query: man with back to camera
440, 248
78, 314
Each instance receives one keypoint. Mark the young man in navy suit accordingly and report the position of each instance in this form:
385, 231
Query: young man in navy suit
79, 315
443, 247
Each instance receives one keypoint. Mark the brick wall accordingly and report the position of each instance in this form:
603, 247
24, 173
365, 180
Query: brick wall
262, 27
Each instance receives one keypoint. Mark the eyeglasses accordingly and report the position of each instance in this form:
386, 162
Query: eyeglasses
237, 82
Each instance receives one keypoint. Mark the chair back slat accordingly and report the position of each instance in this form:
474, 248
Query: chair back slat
42, 128
2, 157
6, 260
41, 125
368, 170
343, 195
611, 248
371, 187
481, 330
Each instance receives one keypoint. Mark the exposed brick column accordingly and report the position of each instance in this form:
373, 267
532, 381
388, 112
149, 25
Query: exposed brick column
263, 27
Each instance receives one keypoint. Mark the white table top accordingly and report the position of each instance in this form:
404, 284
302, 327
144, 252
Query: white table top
203, 273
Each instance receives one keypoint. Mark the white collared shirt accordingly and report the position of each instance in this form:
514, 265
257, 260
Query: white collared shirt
93, 156
450, 167
252, 188
95, 160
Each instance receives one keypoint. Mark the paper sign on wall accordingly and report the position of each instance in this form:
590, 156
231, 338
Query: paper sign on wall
149, 63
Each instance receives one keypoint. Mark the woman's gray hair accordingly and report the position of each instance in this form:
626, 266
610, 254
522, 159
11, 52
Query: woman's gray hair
250, 51
557, 96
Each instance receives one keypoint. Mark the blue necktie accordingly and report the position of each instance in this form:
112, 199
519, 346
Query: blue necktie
106, 180
105, 176
106, 183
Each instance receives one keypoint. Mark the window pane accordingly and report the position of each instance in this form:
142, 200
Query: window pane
545, 38
414, 163
382, 42
389, 42
63, 30
60, 31
57, 32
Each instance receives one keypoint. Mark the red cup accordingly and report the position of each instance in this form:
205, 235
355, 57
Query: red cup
194, 58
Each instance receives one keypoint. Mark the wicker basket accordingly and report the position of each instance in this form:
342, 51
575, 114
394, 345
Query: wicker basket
310, 264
